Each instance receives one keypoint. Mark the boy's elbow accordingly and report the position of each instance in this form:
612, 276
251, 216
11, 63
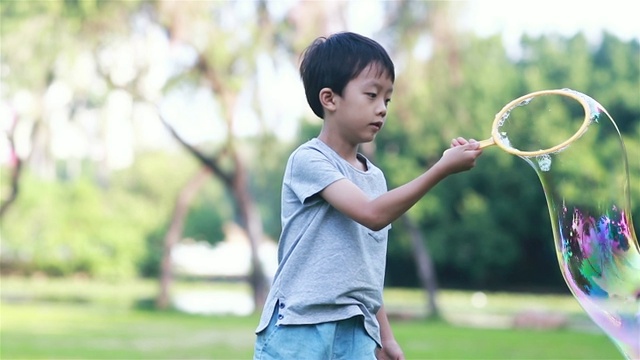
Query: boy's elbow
372, 226
375, 222
376, 227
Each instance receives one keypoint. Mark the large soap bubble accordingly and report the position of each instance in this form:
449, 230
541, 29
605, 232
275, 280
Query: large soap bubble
577, 151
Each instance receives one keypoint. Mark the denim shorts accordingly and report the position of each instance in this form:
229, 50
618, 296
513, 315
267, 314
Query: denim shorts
343, 339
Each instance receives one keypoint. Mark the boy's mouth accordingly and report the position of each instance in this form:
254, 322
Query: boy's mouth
377, 124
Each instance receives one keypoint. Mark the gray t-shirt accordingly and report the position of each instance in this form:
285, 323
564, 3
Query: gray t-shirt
330, 267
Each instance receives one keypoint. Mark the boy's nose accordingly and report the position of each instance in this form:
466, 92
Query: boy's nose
382, 109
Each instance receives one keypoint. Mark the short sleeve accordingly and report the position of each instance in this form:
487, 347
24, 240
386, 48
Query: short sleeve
310, 171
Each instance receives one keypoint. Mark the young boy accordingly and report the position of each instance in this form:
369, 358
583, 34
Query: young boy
326, 297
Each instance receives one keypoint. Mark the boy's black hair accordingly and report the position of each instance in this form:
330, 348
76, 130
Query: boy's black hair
331, 62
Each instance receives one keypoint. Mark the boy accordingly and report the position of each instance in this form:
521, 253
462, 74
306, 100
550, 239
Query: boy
326, 297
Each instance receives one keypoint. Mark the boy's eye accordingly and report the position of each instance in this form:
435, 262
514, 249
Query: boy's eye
371, 95
386, 102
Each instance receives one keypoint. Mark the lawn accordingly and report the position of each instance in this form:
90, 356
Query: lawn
85, 320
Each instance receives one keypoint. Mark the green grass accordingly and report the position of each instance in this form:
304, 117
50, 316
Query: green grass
86, 320
64, 331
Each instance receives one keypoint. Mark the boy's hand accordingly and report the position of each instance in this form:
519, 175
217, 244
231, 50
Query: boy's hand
390, 351
461, 156
459, 141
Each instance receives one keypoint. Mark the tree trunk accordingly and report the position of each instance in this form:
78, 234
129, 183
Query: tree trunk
426, 270
238, 183
175, 232
252, 223
16, 164
16, 171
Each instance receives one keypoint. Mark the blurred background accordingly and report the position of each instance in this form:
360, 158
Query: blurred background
143, 145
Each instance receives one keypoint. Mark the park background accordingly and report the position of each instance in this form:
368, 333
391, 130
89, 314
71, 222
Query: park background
144, 143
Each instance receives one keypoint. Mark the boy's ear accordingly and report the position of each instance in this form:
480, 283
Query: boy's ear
328, 99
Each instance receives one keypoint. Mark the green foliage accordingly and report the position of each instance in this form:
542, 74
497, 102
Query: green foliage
74, 227
63, 228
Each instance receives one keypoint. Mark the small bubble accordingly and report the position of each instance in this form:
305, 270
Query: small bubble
544, 162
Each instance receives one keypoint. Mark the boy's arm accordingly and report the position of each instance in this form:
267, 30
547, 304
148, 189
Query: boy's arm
383, 210
390, 348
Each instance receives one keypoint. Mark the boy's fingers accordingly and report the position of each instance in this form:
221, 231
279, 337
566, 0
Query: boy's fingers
472, 145
458, 141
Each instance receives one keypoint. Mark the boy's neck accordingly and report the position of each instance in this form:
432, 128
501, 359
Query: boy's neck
343, 148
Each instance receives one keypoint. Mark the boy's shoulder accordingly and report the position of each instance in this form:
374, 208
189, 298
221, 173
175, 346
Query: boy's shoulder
316, 149
312, 143
312, 146
312, 156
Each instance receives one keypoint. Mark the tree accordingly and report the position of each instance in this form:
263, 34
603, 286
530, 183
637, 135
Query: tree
227, 63
40, 57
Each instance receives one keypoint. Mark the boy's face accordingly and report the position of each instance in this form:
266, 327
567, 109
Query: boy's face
361, 111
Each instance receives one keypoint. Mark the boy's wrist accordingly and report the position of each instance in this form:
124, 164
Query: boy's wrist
439, 170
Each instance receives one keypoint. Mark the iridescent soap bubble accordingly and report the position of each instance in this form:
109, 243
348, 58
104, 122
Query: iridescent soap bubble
586, 184
576, 150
